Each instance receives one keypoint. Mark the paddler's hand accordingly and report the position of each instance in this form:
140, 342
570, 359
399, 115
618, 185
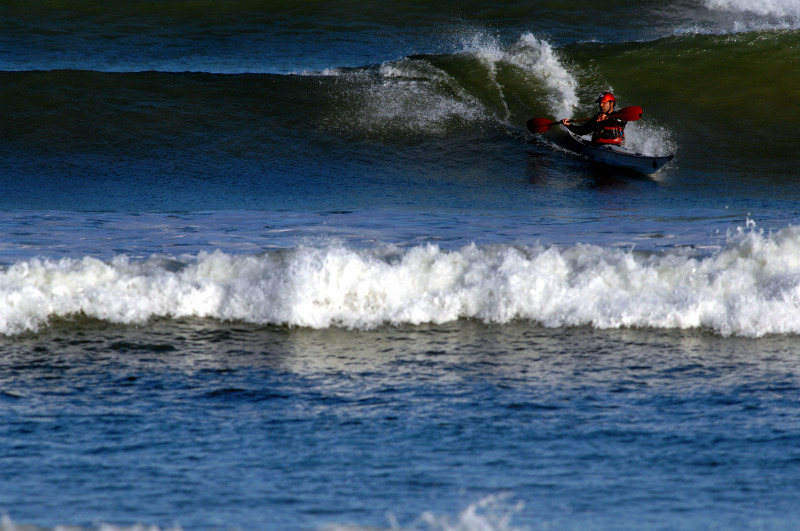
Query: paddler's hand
565, 121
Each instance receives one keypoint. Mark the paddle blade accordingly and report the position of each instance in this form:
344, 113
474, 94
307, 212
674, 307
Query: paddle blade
540, 125
629, 114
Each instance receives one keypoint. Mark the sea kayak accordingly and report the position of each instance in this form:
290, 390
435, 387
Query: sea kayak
618, 156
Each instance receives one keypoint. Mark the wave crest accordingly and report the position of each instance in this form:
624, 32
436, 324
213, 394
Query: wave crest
776, 8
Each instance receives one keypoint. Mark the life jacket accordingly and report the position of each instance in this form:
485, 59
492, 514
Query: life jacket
612, 133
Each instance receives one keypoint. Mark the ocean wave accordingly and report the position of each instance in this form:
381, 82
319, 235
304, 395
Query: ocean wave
693, 85
482, 85
739, 16
491, 513
483, 82
776, 8
536, 57
7, 524
244, 36
751, 287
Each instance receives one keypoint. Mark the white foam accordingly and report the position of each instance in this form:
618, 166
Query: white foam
751, 287
493, 513
489, 514
740, 16
774, 8
6, 524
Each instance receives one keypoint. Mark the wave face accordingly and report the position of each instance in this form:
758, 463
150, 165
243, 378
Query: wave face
751, 287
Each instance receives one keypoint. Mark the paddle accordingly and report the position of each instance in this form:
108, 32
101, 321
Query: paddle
628, 114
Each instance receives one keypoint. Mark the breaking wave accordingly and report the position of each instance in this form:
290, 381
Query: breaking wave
751, 287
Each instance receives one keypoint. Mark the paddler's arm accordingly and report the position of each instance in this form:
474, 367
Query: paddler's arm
584, 129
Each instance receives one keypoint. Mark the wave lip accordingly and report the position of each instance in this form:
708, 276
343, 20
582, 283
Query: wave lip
751, 287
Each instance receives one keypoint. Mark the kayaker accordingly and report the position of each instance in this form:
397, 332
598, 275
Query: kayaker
604, 126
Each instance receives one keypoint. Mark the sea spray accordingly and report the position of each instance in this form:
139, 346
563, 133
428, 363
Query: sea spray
649, 139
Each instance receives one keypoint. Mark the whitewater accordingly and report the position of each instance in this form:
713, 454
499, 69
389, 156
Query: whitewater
750, 287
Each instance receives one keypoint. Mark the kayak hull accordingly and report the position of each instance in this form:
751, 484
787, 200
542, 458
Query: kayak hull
617, 156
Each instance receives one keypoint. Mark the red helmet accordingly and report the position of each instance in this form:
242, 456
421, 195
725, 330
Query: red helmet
606, 96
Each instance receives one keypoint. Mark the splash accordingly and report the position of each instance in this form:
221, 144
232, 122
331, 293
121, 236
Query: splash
489, 514
649, 139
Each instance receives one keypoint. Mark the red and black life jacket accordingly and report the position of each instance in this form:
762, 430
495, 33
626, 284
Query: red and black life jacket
612, 133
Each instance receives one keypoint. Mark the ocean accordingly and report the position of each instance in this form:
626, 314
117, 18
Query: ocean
271, 265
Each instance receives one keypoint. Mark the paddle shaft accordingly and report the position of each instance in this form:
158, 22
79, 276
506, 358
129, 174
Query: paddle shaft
628, 114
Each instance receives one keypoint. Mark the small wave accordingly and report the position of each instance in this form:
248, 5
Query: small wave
492, 513
751, 287
7, 524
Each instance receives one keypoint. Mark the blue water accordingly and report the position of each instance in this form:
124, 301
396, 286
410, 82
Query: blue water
241, 427
301, 267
